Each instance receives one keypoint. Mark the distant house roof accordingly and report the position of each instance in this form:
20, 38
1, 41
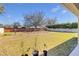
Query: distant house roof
38, 27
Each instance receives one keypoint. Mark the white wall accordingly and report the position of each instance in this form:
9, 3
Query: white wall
64, 30
1, 30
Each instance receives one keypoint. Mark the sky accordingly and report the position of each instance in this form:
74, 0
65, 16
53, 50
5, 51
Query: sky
15, 12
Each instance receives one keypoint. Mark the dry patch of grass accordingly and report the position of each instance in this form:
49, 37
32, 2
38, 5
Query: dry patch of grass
24, 42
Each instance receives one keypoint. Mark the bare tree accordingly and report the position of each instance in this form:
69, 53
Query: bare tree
35, 19
1, 25
51, 21
1, 8
1, 11
16, 25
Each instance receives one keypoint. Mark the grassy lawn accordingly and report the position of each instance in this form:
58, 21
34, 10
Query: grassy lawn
12, 44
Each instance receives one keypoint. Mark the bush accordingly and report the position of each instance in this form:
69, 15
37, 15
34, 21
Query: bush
66, 25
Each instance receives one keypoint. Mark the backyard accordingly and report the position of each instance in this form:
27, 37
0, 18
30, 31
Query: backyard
16, 44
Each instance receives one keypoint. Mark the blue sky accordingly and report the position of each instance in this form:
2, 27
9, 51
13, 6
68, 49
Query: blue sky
16, 12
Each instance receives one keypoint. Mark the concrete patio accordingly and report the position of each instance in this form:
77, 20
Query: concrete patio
75, 52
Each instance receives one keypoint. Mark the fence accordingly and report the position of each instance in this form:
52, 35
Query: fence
22, 29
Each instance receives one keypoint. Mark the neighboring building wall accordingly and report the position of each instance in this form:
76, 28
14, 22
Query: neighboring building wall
8, 29
1, 30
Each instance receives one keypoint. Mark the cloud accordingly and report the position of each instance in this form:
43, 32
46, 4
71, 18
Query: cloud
57, 8
64, 11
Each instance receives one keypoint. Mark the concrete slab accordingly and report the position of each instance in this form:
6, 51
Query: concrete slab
75, 52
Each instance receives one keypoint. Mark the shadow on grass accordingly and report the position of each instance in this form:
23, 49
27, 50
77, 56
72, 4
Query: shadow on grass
65, 48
